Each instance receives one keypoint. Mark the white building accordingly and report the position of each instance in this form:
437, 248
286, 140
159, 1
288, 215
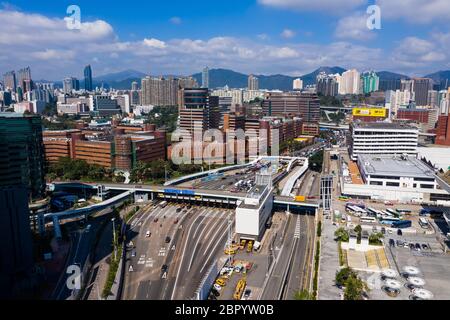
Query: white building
253, 213
398, 99
350, 82
383, 138
297, 84
399, 178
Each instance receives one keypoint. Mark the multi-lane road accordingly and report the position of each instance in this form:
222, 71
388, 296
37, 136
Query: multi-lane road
197, 238
292, 269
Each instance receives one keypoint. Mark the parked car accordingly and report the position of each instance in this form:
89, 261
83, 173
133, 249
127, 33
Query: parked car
400, 243
411, 246
215, 292
217, 287
425, 246
164, 268
417, 246
148, 234
168, 239
392, 242
156, 220
247, 293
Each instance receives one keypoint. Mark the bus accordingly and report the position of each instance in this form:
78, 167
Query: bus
368, 220
389, 221
360, 205
357, 211
373, 212
423, 222
402, 224
403, 211
393, 212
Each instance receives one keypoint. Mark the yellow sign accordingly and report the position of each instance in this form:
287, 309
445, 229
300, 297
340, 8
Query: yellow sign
369, 112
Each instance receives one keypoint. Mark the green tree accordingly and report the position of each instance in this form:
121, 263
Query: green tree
358, 230
354, 288
341, 235
343, 275
375, 238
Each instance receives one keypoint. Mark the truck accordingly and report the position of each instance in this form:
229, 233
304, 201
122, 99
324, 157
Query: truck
240, 287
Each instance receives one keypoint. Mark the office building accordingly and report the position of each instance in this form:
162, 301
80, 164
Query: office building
371, 82
407, 85
421, 86
198, 110
425, 117
205, 78
443, 130
88, 86
253, 82
382, 138
292, 104
21, 147
16, 251
237, 95
389, 84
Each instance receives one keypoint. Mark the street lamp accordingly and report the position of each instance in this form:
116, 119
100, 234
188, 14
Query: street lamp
114, 238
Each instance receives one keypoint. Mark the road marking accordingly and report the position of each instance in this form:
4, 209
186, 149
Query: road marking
149, 263
223, 234
297, 229
164, 276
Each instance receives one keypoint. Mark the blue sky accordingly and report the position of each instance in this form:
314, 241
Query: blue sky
251, 36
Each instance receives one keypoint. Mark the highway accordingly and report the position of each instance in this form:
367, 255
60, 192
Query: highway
196, 240
82, 242
292, 268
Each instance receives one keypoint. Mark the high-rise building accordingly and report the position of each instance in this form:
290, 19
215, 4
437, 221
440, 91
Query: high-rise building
371, 82
9, 81
389, 84
253, 82
205, 78
106, 106
327, 85
297, 84
134, 86
198, 110
421, 86
71, 84
88, 78
350, 82
21, 147
160, 91
16, 239
24, 79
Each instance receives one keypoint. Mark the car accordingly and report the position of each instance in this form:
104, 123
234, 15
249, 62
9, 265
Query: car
406, 245
390, 231
388, 203
392, 242
417, 246
220, 282
425, 246
399, 243
188, 207
212, 297
179, 209
133, 253
411, 246
215, 292
164, 268
383, 230
247, 293
148, 234
168, 239
176, 221
399, 232
156, 220
217, 287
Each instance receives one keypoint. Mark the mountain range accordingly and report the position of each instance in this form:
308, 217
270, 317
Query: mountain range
224, 77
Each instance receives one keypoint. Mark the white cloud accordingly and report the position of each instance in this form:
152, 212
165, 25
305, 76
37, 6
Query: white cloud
263, 36
354, 27
50, 54
329, 6
154, 43
175, 20
288, 33
415, 11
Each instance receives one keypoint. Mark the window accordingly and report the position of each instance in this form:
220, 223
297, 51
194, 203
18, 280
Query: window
376, 183
427, 186
392, 184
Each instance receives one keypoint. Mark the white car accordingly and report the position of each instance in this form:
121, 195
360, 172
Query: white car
217, 287
147, 234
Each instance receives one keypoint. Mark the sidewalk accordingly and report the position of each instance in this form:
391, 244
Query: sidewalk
329, 263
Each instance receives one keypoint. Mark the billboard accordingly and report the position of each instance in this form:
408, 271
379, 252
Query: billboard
369, 112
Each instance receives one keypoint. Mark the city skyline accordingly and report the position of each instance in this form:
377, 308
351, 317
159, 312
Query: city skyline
295, 39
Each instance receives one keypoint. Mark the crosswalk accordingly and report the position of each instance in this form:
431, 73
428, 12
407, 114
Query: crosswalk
297, 229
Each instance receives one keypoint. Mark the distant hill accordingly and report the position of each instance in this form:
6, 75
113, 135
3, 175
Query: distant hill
224, 77
440, 76
387, 75
119, 76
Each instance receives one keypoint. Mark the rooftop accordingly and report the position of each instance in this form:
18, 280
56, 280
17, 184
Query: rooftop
383, 125
394, 166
